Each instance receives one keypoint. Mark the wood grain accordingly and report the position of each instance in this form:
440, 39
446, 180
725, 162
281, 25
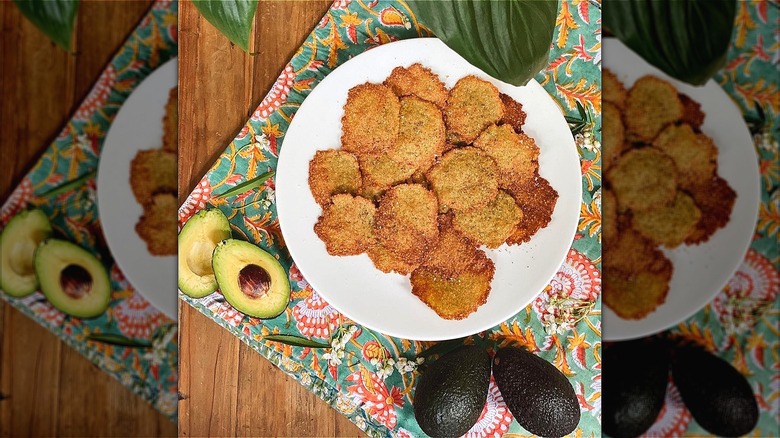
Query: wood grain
47, 388
226, 387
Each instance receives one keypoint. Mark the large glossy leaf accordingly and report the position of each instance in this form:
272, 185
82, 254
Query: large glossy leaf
232, 17
687, 39
54, 17
509, 40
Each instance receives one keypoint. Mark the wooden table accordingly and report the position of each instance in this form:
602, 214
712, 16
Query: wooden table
47, 388
226, 387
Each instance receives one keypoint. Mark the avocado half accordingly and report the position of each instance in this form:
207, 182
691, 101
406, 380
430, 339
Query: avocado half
73, 280
197, 240
251, 279
17, 249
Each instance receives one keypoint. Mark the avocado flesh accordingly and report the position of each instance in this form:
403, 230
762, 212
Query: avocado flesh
73, 280
197, 240
251, 279
539, 396
18, 241
451, 393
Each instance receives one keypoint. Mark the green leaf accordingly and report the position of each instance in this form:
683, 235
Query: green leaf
687, 39
247, 185
231, 17
509, 40
54, 17
297, 341
68, 186
109, 338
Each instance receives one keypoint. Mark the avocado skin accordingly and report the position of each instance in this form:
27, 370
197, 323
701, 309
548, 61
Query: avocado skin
635, 375
538, 395
718, 396
451, 394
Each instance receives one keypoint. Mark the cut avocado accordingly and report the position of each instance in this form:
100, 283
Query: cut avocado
251, 279
17, 249
73, 280
197, 241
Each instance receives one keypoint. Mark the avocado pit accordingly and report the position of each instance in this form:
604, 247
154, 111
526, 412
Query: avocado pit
254, 281
76, 282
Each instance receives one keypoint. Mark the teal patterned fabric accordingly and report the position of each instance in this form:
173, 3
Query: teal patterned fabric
367, 376
149, 372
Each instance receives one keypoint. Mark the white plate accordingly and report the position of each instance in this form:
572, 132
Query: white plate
384, 302
700, 271
138, 125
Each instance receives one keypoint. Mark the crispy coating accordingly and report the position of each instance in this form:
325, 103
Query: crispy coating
634, 296
153, 171
454, 297
715, 198
492, 224
692, 113
473, 105
612, 90
514, 115
371, 119
406, 223
464, 179
652, 104
332, 172
386, 262
629, 252
609, 215
613, 139
694, 155
380, 172
669, 225
418, 81
643, 179
421, 135
158, 225
453, 253
536, 199
171, 121
347, 225
516, 155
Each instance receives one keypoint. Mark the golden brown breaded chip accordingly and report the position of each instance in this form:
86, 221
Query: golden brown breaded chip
418, 81
453, 253
406, 222
613, 138
715, 198
386, 262
171, 121
473, 105
464, 179
692, 113
536, 199
492, 224
158, 225
635, 296
609, 216
514, 115
380, 172
153, 171
371, 119
612, 90
516, 155
332, 172
347, 225
669, 225
652, 104
454, 298
694, 155
629, 251
643, 179
421, 135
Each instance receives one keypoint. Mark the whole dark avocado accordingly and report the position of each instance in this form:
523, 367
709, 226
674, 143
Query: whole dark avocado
634, 379
718, 396
538, 395
452, 392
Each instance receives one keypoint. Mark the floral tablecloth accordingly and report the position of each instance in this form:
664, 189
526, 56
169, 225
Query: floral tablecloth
367, 376
149, 372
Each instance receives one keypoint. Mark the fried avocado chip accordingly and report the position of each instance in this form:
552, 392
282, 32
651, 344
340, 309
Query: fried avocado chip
454, 297
613, 139
652, 104
609, 216
694, 155
692, 113
464, 179
612, 90
634, 296
629, 251
669, 225
333, 172
536, 199
347, 225
380, 172
153, 171
406, 222
473, 105
715, 198
420, 136
419, 81
157, 226
516, 155
643, 179
453, 253
492, 224
514, 115
371, 119
387, 262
